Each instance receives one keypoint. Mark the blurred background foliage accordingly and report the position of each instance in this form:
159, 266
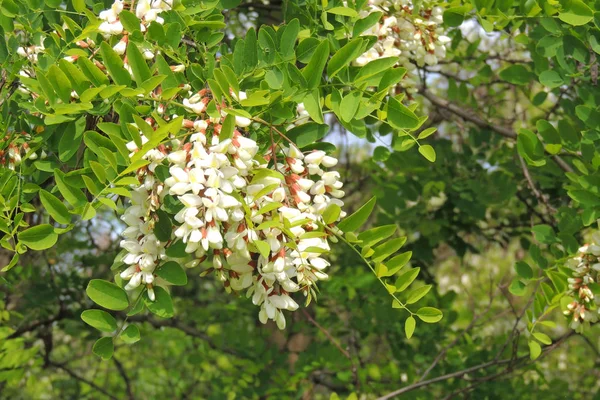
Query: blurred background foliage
468, 217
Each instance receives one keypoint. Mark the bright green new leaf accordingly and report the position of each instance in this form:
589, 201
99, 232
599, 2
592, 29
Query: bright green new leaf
55, 207
577, 13
162, 306
428, 152
358, 218
344, 56
104, 348
173, 273
414, 295
39, 237
107, 295
429, 314
100, 320
409, 326
400, 116
131, 334
406, 278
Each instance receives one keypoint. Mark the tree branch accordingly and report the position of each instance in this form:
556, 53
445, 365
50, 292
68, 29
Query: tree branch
125, 378
475, 119
486, 365
82, 379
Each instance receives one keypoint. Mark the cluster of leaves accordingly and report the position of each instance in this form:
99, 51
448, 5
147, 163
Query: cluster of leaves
84, 107
511, 195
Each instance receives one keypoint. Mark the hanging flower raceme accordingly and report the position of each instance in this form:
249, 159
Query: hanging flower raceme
585, 273
256, 217
416, 39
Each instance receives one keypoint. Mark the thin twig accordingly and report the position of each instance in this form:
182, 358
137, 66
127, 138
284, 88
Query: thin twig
466, 371
475, 119
82, 379
125, 378
326, 333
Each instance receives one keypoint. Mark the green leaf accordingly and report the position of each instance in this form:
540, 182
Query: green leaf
173, 273
409, 326
307, 134
131, 334
314, 69
55, 207
74, 196
349, 105
141, 72
454, 16
386, 249
130, 22
517, 288
429, 314
427, 132
551, 79
107, 295
288, 38
530, 148
163, 227
345, 11
100, 320
534, 349
104, 348
381, 153
577, 13
375, 67
428, 152
344, 56
263, 248
365, 23
516, 74
60, 83
524, 270
542, 337
400, 117
544, 233
417, 294
331, 213
39, 237
358, 218
92, 72
391, 77
377, 234
99, 171
406, 278
162, 306
227, 128
114, 65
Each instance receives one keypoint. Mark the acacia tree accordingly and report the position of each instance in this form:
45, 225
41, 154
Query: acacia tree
211, 137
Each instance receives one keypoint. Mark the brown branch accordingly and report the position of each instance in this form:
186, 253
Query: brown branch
511, 368
531, 184
173, 323
442, 353
82, 379
61, 314
326, 333
125, 378
466, 371
475, 119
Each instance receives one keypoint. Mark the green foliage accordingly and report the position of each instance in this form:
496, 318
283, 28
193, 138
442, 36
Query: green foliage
471, 233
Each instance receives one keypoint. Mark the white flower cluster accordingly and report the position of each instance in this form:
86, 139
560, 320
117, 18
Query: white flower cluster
14, 153
146, 10
31, 52
258, 218
586, 271
417, 40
